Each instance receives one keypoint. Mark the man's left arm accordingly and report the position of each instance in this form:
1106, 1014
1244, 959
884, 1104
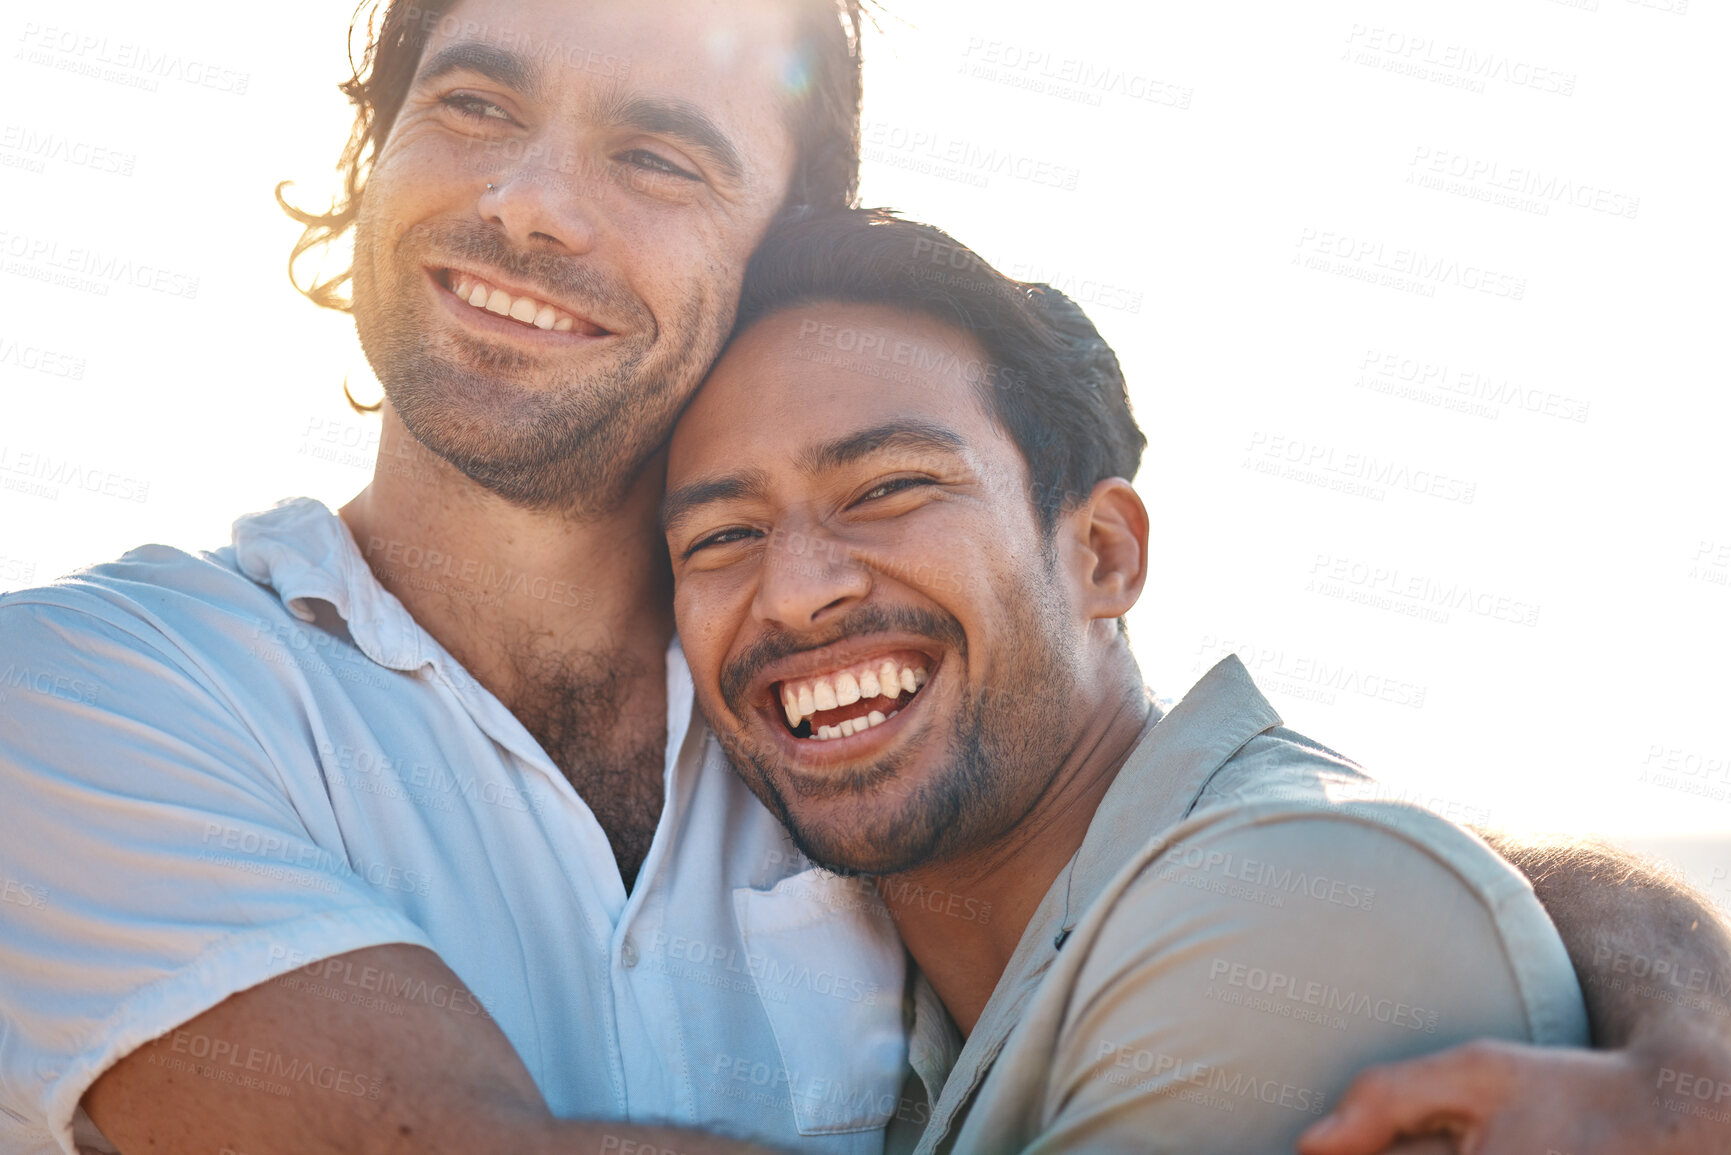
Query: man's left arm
1654, 963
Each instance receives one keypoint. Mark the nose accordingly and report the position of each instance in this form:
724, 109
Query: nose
808, 576
541, 203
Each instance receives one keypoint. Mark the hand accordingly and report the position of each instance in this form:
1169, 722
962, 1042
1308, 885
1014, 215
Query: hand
1496, 1098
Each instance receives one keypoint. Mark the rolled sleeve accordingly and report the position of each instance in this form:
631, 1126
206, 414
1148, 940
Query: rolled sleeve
154, 860
1242, 977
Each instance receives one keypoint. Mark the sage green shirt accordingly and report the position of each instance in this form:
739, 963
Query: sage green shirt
1243, 929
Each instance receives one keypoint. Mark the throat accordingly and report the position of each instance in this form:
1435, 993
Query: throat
603, 722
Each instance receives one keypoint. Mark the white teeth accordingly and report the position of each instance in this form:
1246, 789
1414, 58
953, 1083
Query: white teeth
846, 727
790, 706
828, 732
919, 678
806, 704
868, 684
525, 309
887, 679
908, 679
876, 718
824, 694
846, 690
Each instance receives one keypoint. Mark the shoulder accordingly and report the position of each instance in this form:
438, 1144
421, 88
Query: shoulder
156, 602
1357, 887
1232, 980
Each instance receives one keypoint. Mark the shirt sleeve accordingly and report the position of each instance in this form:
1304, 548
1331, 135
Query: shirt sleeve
152, 860
1247, 973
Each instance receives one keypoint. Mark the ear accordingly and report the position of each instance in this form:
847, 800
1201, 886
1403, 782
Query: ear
1108, 554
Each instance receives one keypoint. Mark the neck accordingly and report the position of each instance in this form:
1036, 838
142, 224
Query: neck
494, 582
962, 917
565, 619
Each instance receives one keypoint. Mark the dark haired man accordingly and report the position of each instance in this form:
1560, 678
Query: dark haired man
392, 832
903, 539
389, 833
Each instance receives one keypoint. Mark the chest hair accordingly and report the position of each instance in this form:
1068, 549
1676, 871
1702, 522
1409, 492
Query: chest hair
603, 722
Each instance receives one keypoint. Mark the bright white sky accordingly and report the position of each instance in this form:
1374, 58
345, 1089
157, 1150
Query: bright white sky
1223, 187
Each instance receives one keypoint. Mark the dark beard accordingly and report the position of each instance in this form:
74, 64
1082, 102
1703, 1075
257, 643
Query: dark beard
574, 444
997, 739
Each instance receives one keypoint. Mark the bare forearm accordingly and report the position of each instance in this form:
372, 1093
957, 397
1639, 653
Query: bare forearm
277, 1070
1652, 956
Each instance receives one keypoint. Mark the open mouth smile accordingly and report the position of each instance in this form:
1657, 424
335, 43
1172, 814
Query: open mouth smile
527, 310
853, 698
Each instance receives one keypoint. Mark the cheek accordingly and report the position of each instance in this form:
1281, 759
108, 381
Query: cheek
705, 618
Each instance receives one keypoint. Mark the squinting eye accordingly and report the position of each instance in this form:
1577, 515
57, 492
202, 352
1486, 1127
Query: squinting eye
895, 485
473, 107
654, 162
723, 537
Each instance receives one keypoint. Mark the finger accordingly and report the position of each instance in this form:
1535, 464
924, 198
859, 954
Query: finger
1454, 1091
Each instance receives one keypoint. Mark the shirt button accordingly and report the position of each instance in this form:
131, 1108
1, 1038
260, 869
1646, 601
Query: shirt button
628, 954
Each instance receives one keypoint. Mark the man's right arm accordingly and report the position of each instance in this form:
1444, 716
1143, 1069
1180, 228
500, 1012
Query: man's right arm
280, 1070
165, 896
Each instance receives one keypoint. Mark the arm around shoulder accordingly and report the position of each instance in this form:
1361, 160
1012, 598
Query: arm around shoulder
1233, 987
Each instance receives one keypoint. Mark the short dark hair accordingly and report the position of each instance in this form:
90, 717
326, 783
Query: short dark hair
1054, 385
824, 83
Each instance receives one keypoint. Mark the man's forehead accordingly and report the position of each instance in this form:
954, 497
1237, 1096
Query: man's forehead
806, 376
558, 41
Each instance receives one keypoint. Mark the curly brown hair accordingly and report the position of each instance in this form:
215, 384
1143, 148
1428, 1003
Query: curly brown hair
826, 116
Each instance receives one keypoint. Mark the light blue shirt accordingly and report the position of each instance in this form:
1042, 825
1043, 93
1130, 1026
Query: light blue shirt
217, 770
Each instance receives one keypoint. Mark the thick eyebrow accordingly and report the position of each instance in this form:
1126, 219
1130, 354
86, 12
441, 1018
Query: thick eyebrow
684, 501
498, 64
925, 436
679, 120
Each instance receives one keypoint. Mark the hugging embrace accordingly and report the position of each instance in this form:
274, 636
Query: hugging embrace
823, 806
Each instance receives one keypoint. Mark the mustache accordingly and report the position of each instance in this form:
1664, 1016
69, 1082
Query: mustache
779, 643
557, 275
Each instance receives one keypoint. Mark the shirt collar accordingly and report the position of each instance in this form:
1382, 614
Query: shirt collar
1164, 775
1155, 789
305, 553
